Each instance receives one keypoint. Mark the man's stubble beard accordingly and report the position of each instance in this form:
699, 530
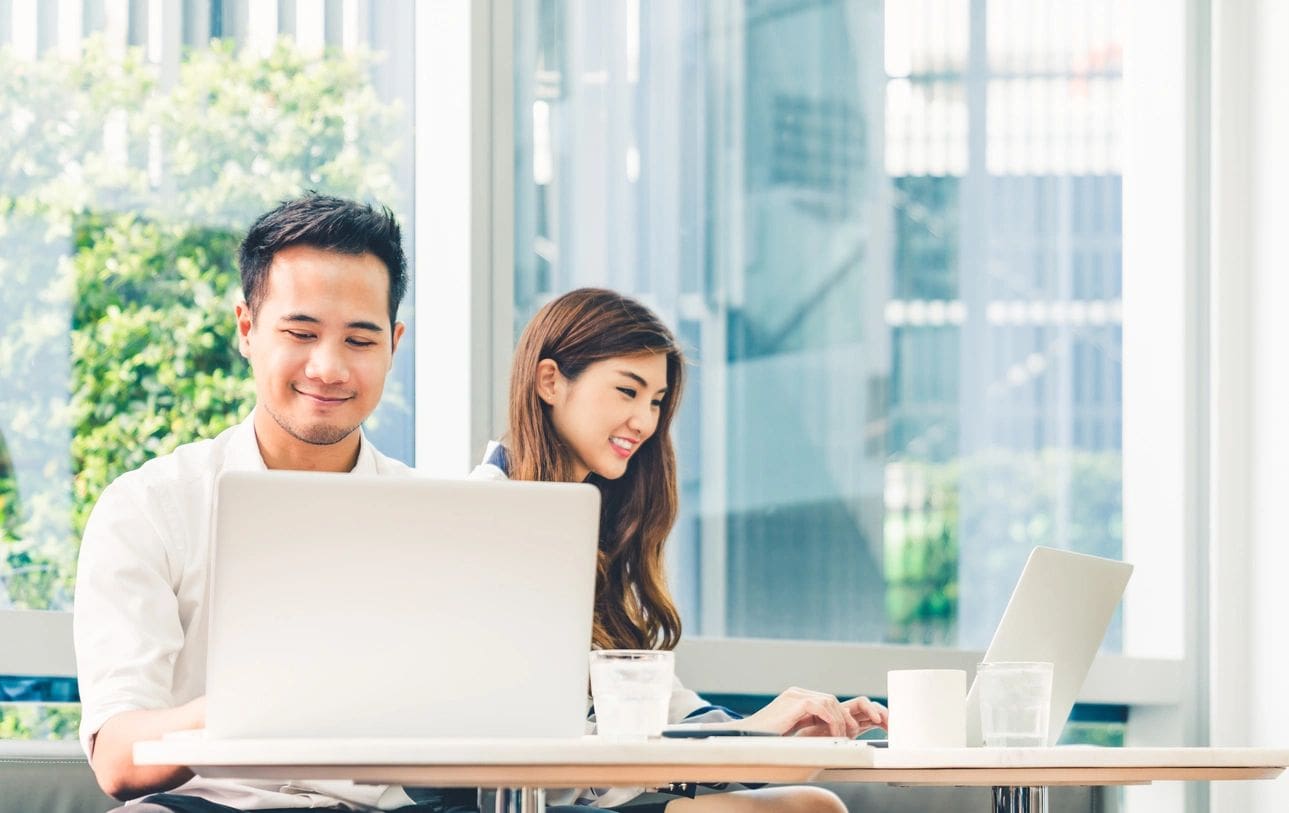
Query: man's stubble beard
319, 435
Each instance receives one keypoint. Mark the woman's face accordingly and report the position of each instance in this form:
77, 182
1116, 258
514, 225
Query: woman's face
606, 413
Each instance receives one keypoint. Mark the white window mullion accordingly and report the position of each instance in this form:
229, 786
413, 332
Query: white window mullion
497, 299
457, 241
1164, 397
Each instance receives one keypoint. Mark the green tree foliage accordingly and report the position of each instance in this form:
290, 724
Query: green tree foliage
155, 359
39, 721
1055, 497
920, 556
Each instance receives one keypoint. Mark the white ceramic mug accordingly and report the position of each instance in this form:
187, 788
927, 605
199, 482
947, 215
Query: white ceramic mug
928, 708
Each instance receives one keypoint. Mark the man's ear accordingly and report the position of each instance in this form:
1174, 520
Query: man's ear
549, 380
395, 337
244, 325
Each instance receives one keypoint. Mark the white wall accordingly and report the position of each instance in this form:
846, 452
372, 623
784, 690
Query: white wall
1251, 569
1269, 326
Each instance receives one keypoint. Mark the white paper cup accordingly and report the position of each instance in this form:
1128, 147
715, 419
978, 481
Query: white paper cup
928, 708
632, 691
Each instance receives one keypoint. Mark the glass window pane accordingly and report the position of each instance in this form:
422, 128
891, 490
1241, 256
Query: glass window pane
889, 235
137, 149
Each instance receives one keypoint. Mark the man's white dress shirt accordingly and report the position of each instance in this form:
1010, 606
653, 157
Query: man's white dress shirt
140, 616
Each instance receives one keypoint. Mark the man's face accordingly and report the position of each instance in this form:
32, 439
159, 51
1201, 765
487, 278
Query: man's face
321, 344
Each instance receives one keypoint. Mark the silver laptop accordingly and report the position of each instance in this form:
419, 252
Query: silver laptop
346, 605
1059, 612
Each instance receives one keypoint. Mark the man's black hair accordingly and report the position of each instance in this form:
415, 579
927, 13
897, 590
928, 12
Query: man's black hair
327, 223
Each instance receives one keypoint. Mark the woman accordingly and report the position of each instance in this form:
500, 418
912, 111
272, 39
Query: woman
594, 388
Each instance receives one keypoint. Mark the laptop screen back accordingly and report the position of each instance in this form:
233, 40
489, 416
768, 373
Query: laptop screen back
1059, 612
362, 606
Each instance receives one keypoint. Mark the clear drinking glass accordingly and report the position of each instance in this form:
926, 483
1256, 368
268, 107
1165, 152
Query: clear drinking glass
632, 691
1015, 703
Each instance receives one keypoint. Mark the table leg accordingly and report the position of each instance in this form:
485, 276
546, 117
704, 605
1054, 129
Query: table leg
1020, 800
520, 800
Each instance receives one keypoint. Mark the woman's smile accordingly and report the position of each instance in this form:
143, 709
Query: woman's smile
622, 446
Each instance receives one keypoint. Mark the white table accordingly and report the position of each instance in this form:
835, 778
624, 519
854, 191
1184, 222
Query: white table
1019, 776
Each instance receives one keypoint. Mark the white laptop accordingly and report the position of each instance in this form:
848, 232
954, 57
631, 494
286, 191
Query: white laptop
1059, 612
346, 605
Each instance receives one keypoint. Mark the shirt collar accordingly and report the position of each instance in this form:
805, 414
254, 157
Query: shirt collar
244, 451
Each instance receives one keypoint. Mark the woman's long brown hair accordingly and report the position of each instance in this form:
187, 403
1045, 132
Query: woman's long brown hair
633, 608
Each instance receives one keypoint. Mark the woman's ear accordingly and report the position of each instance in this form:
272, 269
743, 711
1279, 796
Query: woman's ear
549, 379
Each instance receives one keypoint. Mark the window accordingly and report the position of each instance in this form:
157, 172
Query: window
140, 140
889, 236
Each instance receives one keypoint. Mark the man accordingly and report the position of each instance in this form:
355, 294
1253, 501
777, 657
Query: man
322, 279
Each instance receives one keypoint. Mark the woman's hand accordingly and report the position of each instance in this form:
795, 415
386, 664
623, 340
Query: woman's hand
866, 715
807, 713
